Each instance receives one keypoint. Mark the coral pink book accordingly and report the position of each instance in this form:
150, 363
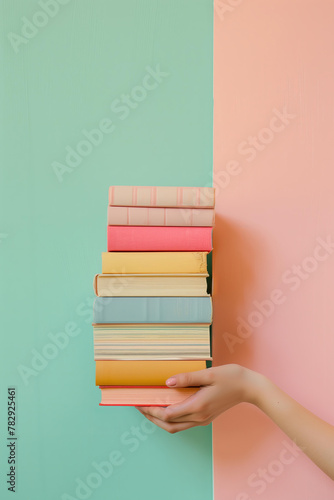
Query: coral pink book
162, 196
144, 395
156, 238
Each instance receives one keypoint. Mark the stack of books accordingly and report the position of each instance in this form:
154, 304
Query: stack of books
152, 314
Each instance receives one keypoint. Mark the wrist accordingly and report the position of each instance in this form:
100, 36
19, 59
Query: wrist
255, 386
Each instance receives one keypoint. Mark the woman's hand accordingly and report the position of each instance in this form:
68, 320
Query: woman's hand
221, 388
225, 386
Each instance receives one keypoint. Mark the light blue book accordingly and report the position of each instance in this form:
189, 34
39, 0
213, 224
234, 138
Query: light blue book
152, 310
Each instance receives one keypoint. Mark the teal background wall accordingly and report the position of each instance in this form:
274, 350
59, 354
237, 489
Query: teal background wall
58, 80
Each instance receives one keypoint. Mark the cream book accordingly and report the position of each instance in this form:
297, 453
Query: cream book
149, 285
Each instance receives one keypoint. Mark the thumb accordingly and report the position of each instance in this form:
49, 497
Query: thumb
194, 379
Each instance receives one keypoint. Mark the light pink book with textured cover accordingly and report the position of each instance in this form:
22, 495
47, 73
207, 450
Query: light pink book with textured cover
161, 196
155, 239
156, 216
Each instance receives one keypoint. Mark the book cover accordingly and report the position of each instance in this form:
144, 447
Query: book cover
152, 310
146, 285
144, 395
155, 239
142, 372
154, 262
162, 196
158, 216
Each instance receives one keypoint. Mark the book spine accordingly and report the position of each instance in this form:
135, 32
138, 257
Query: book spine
153, 395
152, 310
154, 262
147, 216
155, 239
167, 196
113, 285
95, 284
153, 372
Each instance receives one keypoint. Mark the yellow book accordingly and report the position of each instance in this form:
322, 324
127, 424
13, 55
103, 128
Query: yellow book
154, 262
143, 372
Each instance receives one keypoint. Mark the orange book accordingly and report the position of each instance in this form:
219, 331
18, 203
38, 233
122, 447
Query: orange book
142, 372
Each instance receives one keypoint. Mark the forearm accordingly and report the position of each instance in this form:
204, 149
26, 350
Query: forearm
314, 436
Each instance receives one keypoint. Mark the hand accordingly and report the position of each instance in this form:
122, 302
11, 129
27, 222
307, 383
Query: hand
225, 386
221, 388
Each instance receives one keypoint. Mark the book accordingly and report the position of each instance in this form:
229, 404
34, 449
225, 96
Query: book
144, 395
162, 196
157, 238
142, 372
151, 341
154, 262
152, 310
158, 216
147, 285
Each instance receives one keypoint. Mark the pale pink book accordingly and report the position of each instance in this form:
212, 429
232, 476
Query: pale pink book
158, 216
159, 239
148, 395
162, 196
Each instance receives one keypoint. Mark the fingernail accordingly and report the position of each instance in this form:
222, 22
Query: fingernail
171, 381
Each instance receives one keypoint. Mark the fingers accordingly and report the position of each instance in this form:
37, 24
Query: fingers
170, 427
192, 379
162, 414
186, 411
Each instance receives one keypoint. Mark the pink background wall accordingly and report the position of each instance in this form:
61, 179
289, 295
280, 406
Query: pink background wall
275, 200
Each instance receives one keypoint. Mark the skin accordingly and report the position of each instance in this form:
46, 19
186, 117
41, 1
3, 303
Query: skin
225, 386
